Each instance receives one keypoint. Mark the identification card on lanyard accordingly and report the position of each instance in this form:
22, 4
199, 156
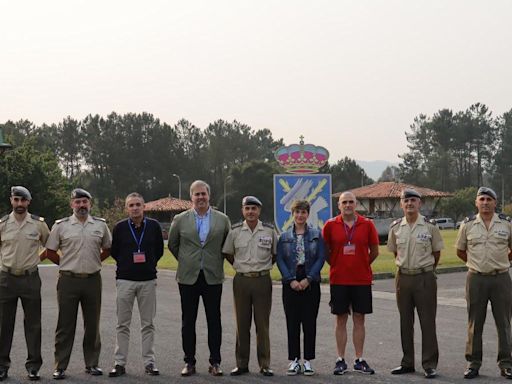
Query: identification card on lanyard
349, 249
138, 257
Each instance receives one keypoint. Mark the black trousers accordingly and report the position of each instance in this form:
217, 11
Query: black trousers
27, 288
301, 308
211, 295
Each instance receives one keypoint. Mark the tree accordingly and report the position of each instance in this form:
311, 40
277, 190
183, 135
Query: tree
252, 178
347, 174
391, 173
460, 205
39, 172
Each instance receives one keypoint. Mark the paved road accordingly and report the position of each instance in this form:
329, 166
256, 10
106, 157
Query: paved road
383, 350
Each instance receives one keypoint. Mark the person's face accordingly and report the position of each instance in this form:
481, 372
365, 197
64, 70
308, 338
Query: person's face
81, 206
200, 198
300, 216
251, 213
347, 204
485, 204
410, 205
19, 204
134, 207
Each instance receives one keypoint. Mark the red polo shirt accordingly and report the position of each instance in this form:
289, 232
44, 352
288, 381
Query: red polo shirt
350, 269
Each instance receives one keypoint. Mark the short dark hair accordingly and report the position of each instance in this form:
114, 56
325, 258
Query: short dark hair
300, 204
134, 194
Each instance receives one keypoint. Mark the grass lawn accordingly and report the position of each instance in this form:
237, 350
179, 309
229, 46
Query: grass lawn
384, 263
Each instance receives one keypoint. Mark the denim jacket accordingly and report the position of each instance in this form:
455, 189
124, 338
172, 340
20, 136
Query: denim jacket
287, 254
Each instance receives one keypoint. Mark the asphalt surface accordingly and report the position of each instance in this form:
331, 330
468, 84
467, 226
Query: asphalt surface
382, 347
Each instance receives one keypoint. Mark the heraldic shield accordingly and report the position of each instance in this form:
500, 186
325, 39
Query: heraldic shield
316, 189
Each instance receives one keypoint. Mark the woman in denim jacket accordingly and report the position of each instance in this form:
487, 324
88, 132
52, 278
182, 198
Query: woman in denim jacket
300, 257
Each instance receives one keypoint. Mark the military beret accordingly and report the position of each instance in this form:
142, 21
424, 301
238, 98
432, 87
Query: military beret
486, 191
251, 200
20, 191
409, 192
78, 193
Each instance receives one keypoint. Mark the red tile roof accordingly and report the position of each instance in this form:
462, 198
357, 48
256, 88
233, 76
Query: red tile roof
390, 189
167, 204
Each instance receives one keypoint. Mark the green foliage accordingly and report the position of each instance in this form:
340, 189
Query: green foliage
462, 203
253, 178
347, 174
114, 213
39, 172
391, 173
450, 151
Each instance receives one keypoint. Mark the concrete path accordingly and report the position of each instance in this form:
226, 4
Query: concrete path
382, 351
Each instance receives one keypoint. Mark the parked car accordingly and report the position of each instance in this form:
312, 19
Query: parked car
445, 223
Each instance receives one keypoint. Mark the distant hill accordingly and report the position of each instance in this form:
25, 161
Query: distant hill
374, 168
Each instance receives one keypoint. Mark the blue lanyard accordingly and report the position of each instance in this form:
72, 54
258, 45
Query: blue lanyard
349, 232
139, 241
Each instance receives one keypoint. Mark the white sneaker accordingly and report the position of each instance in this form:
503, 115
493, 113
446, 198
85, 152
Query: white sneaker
308, 370
293, 368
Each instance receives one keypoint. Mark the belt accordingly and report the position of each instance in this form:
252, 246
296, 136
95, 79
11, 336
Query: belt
79, 275
253, 274
492, 273
19, 272
418, 271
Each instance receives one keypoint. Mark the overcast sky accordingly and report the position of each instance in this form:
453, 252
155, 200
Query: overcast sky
348, 75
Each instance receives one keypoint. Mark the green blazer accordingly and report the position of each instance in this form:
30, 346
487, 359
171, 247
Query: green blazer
184, 244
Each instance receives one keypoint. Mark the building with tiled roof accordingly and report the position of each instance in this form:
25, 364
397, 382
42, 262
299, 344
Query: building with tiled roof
383, 199
165, 209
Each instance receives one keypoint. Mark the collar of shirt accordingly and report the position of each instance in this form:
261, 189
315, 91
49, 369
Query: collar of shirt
198, 216
12, 219
495, 219
74, 220
305, 230
339, 218
419, 221
140, 227
259, 226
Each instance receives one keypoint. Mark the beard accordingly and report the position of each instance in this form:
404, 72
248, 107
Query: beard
82, 212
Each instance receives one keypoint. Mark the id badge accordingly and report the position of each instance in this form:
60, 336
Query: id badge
139, 257
349, 249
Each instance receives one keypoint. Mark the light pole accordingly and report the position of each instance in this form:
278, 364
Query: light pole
225, 183
179, 185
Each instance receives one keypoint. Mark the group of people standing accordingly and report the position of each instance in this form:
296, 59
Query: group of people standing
201, 238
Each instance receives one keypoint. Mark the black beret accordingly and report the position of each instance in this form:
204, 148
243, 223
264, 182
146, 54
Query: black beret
409, 192
78, 193
251, 200
20, 191
486, 191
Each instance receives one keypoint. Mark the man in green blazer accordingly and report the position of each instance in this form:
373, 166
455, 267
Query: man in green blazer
196, 238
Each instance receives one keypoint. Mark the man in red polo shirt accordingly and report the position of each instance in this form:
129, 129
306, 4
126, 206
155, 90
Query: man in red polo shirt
352, 244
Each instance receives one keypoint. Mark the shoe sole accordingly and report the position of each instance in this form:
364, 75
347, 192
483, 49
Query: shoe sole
363, 372
292, 373
309, 373
339, 373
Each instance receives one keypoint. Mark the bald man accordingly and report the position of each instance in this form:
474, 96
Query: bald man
352, 244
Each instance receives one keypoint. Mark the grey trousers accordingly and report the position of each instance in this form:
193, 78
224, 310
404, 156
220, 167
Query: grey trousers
145, 293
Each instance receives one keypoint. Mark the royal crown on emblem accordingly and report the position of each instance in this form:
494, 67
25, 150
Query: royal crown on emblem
302, 158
